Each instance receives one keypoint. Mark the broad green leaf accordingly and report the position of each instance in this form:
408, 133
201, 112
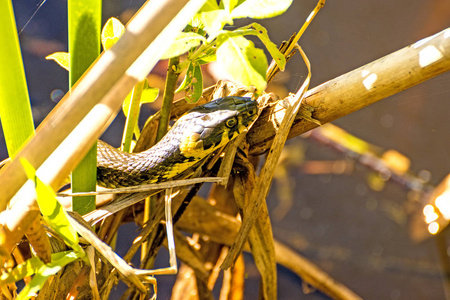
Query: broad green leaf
183, 43
111, 32
192, 83
246, 64
84, 28
149, 94
260, 9
212, 18
262, 34
51, 210
15, 108
61, 58
45, 271
210, 5
215, 20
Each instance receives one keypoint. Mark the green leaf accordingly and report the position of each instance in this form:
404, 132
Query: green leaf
43, 272
212, 17
186, 80
61, 58
111, 32
209, 6
215, 20
192, 83
196, 89
260, 9
183, 43
246, 64
15, 108
262, 34
149, 94
84, 27
229, 4
51, 210
33, 265
207, 57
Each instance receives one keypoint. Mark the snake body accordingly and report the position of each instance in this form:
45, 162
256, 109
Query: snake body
194, 136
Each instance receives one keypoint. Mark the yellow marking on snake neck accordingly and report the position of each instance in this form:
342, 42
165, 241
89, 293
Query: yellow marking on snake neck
191, 145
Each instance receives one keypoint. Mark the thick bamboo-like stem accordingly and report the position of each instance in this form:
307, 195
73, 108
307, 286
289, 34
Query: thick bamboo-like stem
72, 127
359, 88
88, 91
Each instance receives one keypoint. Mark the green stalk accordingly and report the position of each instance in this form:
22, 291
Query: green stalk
132, 116
84, 47
15, 109
130, 127
169, 93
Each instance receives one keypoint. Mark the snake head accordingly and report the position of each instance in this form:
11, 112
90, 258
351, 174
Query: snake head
212, 125
195, 135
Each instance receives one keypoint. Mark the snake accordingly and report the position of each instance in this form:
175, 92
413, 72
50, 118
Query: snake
194, 136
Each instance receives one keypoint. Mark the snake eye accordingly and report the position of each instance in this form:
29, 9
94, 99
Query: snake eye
231, 122
251, 112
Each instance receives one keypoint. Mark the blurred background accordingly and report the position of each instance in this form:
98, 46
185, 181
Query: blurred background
365, 230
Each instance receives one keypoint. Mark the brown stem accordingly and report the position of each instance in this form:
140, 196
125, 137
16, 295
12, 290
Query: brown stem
359, 88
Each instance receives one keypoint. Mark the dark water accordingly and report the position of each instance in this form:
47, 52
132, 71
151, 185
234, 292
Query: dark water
357, 235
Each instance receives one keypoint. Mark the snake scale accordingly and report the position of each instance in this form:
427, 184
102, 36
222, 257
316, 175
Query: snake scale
195, 135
